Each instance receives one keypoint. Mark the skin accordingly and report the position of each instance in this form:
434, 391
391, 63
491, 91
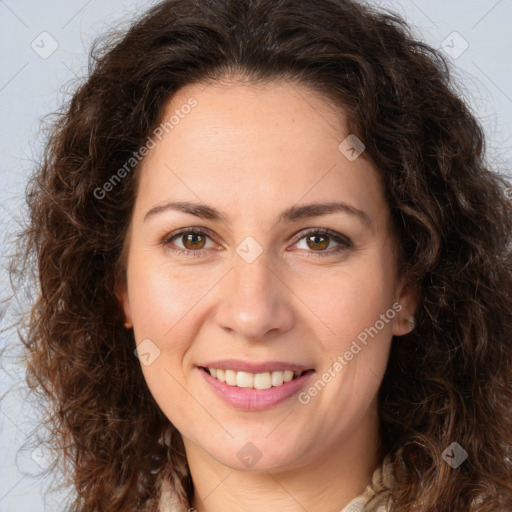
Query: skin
251, 152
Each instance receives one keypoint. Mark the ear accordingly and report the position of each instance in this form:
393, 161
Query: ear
122, 297
408, 299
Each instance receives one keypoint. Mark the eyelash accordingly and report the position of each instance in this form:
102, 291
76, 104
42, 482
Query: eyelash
345, 243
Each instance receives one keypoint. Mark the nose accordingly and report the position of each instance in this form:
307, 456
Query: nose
256, 302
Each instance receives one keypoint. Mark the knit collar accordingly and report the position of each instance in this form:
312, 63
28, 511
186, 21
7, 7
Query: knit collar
375, 498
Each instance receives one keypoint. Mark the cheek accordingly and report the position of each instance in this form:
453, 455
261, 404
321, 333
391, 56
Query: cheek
164, 304
356, 300
161, 297
361, 315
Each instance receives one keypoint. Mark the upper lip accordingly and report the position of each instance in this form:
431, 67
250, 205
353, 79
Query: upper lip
254, 367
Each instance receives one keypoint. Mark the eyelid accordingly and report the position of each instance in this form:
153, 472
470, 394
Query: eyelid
193, 229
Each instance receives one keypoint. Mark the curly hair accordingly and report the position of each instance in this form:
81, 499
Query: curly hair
448, 380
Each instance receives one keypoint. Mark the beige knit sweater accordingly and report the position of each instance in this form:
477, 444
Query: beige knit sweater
374, 498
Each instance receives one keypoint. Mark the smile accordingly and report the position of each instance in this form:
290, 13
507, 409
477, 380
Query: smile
258, 389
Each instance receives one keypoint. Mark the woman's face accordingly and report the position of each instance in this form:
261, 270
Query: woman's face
239, 279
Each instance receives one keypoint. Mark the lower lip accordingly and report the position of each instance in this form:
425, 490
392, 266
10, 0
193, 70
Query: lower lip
256, 399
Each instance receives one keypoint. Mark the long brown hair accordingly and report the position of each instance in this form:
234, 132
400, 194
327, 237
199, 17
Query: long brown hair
449, 380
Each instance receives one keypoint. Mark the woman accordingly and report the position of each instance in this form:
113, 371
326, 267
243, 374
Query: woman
275, 270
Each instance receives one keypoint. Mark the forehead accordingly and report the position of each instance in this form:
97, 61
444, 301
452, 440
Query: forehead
260, 109
246, 147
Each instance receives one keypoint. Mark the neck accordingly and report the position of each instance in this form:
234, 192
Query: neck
325, 481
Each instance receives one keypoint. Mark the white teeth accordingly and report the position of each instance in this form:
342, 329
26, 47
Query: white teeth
244, 379
277, 378
230, 377
264, 380
288, 376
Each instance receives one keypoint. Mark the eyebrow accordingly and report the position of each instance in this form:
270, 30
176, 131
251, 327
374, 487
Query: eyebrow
291, 214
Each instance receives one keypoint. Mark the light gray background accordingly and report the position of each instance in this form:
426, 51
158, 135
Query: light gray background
31, 85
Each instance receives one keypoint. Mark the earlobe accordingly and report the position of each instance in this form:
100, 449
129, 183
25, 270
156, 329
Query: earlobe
405, 321
122, 297
404, 324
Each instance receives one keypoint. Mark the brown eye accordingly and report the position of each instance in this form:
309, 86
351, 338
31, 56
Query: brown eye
193, 241
323, 242
317, 242
189, 242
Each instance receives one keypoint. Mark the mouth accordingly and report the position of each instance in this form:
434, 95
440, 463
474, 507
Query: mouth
258, 389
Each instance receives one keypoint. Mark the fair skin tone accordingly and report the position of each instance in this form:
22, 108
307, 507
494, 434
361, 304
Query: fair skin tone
252, 152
